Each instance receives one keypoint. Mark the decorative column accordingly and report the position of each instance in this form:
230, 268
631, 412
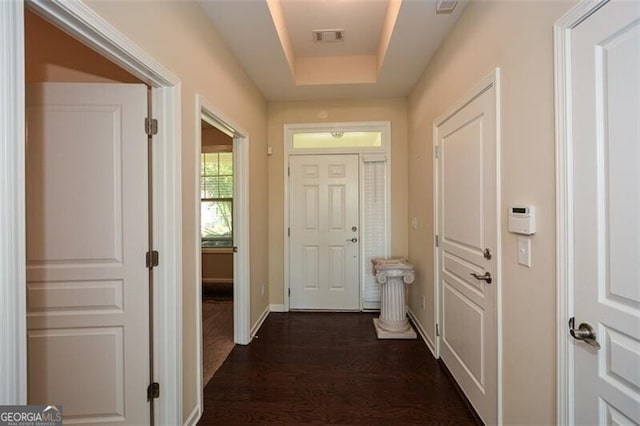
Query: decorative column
392, 275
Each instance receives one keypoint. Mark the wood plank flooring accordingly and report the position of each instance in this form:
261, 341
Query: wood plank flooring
329, 368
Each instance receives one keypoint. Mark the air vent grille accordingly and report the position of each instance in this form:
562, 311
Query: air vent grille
328, 36
446, 6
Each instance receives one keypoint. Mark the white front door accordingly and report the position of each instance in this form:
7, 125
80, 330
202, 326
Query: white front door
87, 228
324, 232
606, 214
467, 229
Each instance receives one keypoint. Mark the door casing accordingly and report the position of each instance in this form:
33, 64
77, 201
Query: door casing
289, 129
85, 25
241, 264
492, 79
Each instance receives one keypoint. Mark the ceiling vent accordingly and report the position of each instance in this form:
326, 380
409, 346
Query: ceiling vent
328, 36
445, 6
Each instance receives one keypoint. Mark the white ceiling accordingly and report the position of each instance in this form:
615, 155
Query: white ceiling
362, 21
248, 28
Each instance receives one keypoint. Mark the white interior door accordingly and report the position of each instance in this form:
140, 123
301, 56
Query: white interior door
467, 226
324, 232
606, 214
87, 226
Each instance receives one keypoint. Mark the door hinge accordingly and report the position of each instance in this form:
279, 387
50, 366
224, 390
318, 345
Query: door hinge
151, 126
437, 329
289, 292
288, 232
153, 391
437, 241
436, 151
288, 171
153, 259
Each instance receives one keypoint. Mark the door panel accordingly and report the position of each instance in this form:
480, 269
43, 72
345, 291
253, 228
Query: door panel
606, 178
323, 209
87, 224
467, 195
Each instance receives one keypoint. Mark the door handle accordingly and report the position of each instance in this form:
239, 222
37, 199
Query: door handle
486, 277
584, 332
353, 240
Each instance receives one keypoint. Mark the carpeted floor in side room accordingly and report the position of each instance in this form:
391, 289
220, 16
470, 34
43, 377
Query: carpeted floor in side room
217, 329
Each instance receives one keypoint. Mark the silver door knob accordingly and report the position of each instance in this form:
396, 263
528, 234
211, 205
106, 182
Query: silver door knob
486, 277
584, 332
353, 240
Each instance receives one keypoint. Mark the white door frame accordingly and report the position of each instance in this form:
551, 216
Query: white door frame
241, 270
81, 22
385, 149
562, 30
494, 80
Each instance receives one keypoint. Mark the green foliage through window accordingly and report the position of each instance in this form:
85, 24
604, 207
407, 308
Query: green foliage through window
216, 194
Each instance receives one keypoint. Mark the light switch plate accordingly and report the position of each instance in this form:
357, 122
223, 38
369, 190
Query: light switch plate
524, 251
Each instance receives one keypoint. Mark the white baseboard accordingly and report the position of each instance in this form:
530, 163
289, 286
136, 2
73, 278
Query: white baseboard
193, 418
277, 308
421, 331
258, 324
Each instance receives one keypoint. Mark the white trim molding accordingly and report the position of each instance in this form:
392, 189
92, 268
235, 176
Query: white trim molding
241, 213
81, 22
13, 319
564, 205
418, 325
277, 308
194, 416
241, 290
256, 327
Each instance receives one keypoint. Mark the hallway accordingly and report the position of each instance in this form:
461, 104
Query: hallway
329, 368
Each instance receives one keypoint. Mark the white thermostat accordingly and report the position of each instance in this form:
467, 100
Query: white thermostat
522, 220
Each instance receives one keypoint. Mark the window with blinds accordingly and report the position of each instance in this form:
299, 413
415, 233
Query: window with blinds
216, 199
374, 236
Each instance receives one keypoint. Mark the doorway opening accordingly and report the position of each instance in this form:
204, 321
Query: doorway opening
84, 25
222, 240
89, 225
337, 213
597, 210
216, 233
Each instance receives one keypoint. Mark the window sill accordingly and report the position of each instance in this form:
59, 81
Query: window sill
217, 249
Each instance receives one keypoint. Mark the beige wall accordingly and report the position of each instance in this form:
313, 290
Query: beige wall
281, 113
182, 39
211, 136
516, 36
53, 56
217, 266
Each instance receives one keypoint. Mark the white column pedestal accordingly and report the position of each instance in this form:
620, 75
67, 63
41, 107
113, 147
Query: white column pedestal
392, 277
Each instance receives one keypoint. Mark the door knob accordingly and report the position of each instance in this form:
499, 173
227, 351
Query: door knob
584, 332
486, 277
353, 240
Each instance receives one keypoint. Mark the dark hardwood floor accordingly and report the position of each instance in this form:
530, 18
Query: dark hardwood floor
329, 368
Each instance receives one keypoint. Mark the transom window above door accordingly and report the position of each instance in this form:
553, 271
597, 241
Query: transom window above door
337, 139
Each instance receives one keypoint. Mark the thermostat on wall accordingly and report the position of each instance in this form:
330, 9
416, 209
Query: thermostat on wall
522, 220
